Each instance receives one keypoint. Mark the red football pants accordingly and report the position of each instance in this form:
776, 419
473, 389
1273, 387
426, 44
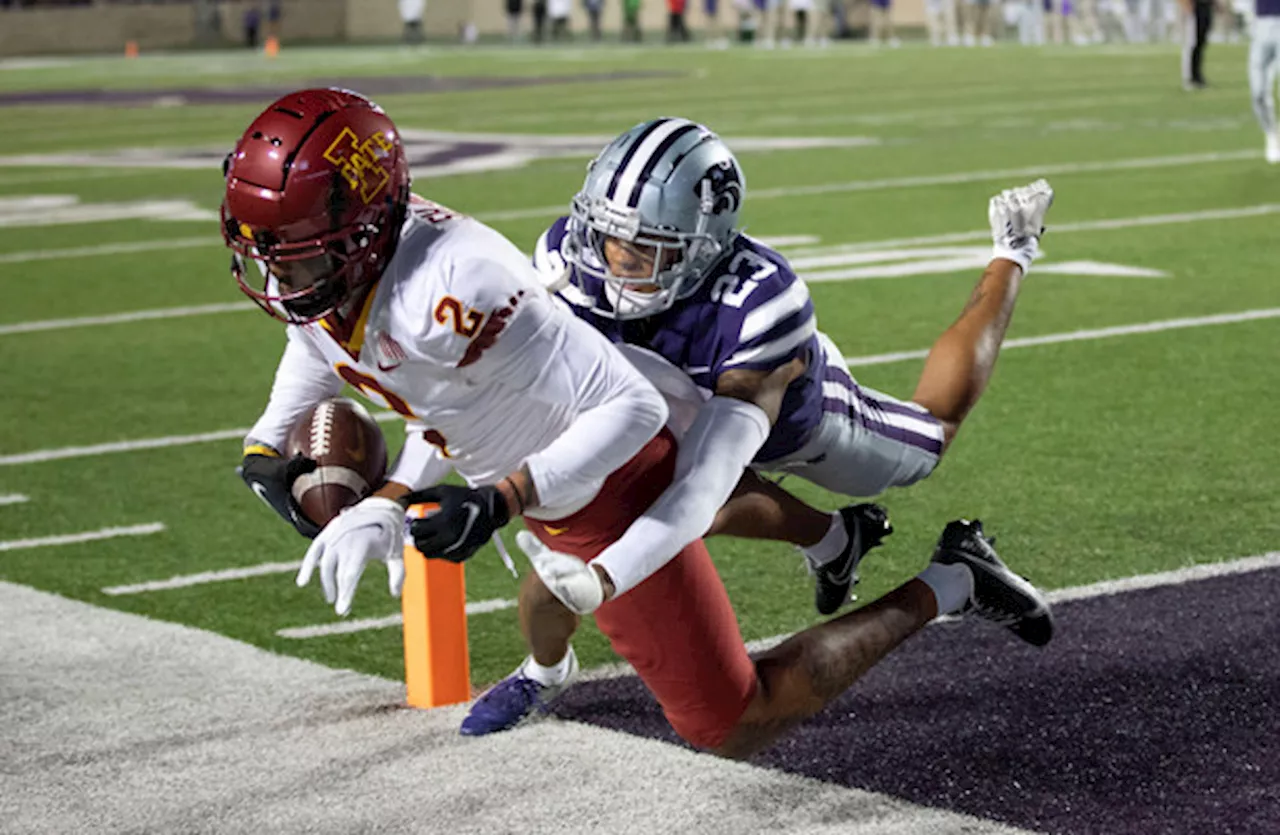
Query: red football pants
677, 628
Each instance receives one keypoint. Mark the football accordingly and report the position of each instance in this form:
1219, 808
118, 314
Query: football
350, 455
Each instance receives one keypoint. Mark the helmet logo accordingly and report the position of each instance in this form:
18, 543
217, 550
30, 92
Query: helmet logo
359, 163
726, 187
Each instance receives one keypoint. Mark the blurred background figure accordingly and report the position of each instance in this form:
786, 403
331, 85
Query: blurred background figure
748, 20
515, 8
252, 25
1084, 20
1232, 17
559, 12
594, 9
274, 11
1056, 12
769, 23
801, 10
1031, 23
411, 12
1264, 54
978, 23
677, 32
713, 34
1198, 18
631, 21
824, 21
539, 9
940, 22
882, 24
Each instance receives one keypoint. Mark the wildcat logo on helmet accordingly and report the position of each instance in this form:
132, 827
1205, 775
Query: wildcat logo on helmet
360, 163
726, 187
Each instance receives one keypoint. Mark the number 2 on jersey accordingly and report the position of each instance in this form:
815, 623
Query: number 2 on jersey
452, 311
731, 289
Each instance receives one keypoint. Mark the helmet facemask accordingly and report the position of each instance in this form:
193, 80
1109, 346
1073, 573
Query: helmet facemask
338, 264
594, 220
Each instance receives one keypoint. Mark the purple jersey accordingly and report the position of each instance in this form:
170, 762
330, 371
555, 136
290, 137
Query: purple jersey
750, 312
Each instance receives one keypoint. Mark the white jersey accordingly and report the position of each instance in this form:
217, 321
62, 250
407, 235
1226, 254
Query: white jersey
459, 337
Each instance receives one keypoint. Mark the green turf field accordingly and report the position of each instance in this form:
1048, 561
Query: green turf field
1090, 459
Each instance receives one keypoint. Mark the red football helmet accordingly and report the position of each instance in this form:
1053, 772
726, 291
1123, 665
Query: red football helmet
317, 189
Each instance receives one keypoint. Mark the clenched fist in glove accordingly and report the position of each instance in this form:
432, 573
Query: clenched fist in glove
1017, 222
576, 584
271, 479
467, 517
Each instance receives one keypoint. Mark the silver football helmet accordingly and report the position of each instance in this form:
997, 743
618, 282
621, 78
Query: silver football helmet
670, 184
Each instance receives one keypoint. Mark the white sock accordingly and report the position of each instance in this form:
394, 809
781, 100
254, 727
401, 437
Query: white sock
830, 546
952, 585
549, 676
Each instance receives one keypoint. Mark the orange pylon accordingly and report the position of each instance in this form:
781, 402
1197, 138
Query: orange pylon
272, 48
131, 49
437, 664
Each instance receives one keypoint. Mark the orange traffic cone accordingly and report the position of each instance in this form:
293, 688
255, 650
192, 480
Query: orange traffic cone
272, 48
131, 49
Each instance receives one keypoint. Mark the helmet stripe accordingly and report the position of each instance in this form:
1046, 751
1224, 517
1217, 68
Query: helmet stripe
631, 152
661, 151
624, 179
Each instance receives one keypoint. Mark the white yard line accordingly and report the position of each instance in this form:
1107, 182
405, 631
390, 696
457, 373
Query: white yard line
345, 627
86, 536
1089, 335
42, 455
203, 577
13, 498
1177, 577
123, 318
803, 258
107, 249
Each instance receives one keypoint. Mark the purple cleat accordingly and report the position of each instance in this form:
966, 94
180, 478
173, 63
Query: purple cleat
510, 701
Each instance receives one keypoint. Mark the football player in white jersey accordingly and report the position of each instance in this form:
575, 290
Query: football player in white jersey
432, 314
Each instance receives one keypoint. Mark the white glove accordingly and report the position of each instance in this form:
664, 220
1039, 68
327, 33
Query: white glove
372, 529
572, 581
1017, 222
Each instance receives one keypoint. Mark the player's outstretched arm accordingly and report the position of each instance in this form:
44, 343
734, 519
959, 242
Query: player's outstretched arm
960, 363
302, 380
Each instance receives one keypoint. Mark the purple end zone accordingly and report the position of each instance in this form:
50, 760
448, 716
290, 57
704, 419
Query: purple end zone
369, 85
1151, 712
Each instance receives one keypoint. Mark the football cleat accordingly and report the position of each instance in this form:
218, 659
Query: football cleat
512, 700
999, 595
867, 525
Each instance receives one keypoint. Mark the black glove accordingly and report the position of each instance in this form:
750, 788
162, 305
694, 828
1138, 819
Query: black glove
465, 521
272, 480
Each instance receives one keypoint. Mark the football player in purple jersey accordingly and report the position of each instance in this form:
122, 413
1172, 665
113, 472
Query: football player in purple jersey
652, 256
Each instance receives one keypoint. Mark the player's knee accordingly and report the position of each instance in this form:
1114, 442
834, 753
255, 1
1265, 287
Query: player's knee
720, 724
711, 734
